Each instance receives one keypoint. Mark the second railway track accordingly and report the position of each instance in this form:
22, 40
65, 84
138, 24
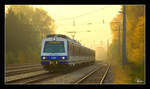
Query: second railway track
31, 78
96, 76
21, 71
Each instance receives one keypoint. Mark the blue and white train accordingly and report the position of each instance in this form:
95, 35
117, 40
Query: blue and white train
60, 52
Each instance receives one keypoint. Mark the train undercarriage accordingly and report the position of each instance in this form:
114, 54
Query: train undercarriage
65, 67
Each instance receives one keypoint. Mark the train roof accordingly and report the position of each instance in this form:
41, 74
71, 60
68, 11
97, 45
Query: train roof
58, 35
66, 37
63, 36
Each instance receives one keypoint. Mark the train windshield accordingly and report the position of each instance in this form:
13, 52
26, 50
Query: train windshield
54, 47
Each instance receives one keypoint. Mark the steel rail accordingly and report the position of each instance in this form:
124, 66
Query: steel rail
20, 77
104, 76
21, 71
83, 78
20, 67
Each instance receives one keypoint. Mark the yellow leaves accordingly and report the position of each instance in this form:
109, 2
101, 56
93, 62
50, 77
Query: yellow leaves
136, 52
135, 28
141, 20
120, 75
139, 30
135, 37
136, 55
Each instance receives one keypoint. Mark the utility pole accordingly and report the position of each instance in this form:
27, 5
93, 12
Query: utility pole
124, 60
119, 42
107, 48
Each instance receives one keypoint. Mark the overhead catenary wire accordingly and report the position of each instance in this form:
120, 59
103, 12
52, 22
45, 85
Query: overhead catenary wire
59, 21
84, 14
72, 22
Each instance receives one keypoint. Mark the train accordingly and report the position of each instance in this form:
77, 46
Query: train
61, 53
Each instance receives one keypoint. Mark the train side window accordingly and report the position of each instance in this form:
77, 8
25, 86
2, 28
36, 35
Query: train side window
82, 51
88, 52
75, 50
78, 50
85, 51
68, 47
72, 49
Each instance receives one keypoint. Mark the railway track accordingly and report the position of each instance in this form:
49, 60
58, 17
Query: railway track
27, 75
11, 67
96, 76
22, 77
33, 78
23, 70
16, 74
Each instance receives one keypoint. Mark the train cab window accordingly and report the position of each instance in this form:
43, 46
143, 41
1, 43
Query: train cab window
54, 47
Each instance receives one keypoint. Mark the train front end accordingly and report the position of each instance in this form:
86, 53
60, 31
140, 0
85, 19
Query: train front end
54, 53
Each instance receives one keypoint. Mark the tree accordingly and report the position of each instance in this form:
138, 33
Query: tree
24, 26
135, 21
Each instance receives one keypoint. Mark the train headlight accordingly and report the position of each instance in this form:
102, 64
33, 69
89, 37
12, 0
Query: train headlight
63, 57
44, 58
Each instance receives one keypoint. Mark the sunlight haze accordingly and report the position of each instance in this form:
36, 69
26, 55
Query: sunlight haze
83, 18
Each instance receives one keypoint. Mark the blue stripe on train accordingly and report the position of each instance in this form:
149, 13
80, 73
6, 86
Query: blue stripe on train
47, 62
44, 62
53, 57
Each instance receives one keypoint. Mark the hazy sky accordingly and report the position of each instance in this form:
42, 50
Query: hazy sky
95, 18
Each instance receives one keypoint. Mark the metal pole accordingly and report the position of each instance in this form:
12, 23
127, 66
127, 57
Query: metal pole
119, 42
124, 61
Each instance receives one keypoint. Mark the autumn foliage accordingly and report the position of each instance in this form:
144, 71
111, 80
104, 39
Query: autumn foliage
135, 43
25, 26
